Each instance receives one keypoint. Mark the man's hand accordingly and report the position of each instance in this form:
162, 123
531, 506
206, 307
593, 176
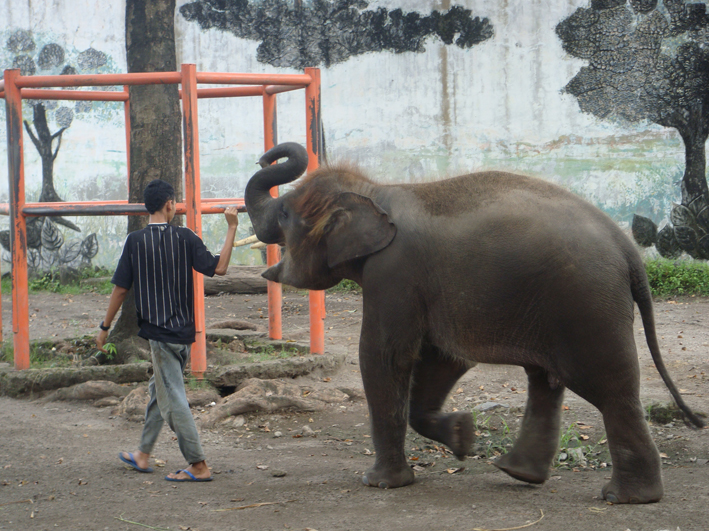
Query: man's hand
231, 217
101, 340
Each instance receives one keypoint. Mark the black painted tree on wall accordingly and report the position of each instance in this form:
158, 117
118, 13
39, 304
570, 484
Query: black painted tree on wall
649, 61
46, 243
325, 32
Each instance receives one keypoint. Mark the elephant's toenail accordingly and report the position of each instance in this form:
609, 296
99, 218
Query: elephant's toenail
612, 498
383, 485
365, 480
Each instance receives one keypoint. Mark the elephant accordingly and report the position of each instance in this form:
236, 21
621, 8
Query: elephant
489, 267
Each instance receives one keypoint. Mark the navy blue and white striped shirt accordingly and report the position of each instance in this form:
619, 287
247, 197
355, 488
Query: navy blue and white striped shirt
159, 260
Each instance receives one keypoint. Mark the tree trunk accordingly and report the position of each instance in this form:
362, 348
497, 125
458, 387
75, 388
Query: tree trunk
156, 120
43, 140
694, 181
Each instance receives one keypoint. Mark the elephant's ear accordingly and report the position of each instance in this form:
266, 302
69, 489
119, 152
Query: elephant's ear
359, 227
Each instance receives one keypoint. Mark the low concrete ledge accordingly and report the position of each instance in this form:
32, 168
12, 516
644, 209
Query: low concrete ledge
33, 381
18, 384
234, 375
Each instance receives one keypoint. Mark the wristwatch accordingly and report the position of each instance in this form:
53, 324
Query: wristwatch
104, 328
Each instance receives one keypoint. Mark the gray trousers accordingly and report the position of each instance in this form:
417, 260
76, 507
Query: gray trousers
168, 401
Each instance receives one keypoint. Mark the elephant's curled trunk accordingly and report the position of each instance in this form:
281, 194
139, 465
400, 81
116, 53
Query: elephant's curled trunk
261, 207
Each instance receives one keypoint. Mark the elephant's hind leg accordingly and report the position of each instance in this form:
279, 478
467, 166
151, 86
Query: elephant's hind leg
615, 391
433, 378
637, 476
538, 440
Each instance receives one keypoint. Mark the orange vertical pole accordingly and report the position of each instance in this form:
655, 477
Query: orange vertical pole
314, 146
18, 226
126, 109
275, 290
193, 200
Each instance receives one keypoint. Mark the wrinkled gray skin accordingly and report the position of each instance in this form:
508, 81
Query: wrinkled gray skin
490, 268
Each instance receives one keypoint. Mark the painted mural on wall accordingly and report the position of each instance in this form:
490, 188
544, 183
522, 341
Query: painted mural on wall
45, 123
298, 35
412, 91
649, 61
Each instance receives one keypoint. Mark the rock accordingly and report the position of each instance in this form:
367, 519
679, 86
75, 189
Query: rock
489, 406
133, 405
354, 394
277, 434
702, 462
307, 431
576, 454
92, 390
278, 473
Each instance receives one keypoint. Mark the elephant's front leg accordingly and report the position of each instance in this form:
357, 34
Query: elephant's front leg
538, 440
434, 376
386, 374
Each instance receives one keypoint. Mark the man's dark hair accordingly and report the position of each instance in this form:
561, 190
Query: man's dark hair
156, 194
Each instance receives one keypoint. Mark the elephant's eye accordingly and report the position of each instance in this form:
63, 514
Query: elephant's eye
282, 213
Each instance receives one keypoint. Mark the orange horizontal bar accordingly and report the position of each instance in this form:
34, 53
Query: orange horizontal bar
99, 80
119, 208
253, 79
226, 92
78, 95
277, 89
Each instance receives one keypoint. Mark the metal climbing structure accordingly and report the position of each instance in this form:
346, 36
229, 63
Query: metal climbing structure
15, 87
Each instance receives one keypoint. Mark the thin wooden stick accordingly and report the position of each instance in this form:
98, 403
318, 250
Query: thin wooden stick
246, 241
512, 528
253, 505
138, 523
13, 503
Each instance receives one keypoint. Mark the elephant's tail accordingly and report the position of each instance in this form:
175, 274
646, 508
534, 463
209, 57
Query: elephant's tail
642, 296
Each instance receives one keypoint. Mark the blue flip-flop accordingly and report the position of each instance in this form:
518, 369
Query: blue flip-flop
131, 462
191, 478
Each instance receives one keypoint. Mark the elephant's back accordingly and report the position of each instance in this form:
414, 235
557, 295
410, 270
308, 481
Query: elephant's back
458, 195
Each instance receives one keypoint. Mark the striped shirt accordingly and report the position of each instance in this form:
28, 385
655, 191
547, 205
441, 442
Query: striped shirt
159, 260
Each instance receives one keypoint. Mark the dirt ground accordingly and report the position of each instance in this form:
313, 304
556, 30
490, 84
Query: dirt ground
59, 467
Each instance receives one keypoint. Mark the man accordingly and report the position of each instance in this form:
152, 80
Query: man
158, 260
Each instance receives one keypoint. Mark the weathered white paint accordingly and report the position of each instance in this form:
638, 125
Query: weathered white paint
403, 117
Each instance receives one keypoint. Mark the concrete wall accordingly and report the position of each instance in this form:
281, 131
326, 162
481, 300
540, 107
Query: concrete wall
402, 116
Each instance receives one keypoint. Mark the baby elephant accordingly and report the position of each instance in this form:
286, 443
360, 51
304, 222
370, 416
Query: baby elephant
488, 267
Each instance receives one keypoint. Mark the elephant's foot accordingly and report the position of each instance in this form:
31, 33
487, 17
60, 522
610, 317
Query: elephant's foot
455, 430
458, 433
386, 478
614, 492
523, 468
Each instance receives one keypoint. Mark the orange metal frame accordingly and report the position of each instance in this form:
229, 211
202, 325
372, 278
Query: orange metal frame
15, 87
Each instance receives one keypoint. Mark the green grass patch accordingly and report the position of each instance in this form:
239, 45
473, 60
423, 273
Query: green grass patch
259, 352
346, 286
577, 450
88, 280
43, 355
682, 277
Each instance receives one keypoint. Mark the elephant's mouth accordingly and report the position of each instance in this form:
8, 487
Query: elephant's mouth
273, 273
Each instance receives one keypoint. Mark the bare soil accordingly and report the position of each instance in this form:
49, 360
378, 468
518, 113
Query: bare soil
59, 467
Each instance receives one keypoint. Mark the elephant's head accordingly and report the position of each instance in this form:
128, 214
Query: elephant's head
323, 223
